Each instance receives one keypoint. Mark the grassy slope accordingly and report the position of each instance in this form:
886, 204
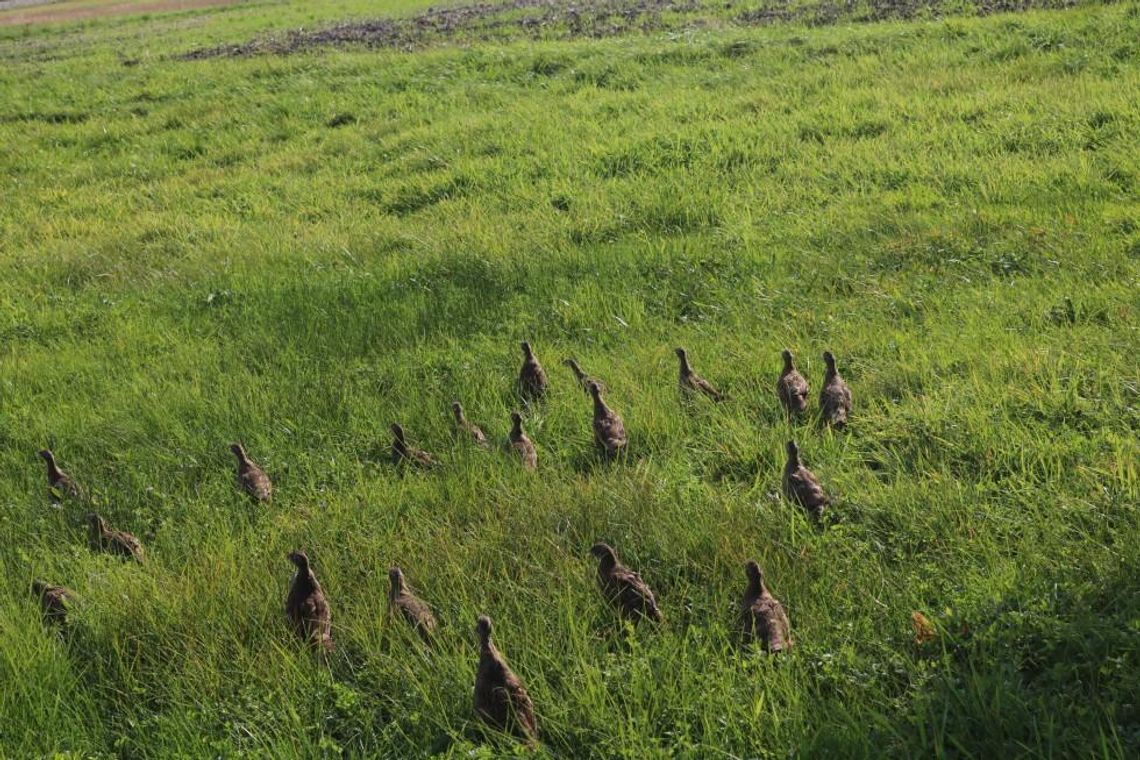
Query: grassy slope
188, 255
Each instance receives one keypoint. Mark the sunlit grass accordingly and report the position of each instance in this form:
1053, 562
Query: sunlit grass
191, 255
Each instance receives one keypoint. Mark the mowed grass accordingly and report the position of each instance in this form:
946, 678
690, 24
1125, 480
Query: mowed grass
191, 255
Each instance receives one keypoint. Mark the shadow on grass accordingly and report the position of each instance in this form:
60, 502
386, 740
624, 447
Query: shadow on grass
1062, 680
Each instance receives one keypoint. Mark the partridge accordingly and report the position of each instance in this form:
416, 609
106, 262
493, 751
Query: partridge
463, 426
501, 700
835, 397
251, 478
532, 377
414, 610
691, 382
405, 453
54, 602
521, 444
306, 606
762, 617
609, 430
623, 587
792, 387
111, 541
60, 483
580, 375
802, 486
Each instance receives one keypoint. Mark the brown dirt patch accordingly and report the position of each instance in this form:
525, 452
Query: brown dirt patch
29, 13
533, 19
572, 19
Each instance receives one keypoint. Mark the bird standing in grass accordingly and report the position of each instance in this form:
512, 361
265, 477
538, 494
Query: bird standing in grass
691, 382
762, 616
532, 377
54, 602
251, 478
463, 426
306, 606
623, 587
501, 700
60, 484
609, 430
835, 397
801, 484
413, 609
792, 387
580, 375
521, 444
116, 542
405, 453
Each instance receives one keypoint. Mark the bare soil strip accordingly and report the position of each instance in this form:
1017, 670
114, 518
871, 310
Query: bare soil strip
559, 19
21, 12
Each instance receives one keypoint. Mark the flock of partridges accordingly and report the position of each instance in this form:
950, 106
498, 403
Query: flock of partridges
500, 698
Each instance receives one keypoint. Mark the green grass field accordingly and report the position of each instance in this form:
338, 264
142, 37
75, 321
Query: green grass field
192, 254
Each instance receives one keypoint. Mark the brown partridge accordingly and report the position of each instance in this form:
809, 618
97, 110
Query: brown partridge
251, 478
404, 453
54, 602
116, 542
691, 382
521, 444
306, 606
609, 430
792, 387
501, 700
762, 617
413, 609
580, 375
623, 587
835, 397
532, 377
464, 427
802, 486
60, 484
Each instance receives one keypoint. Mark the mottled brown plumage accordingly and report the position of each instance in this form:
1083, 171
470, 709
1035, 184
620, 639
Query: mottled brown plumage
413, 609
251, 478
116, 542
580, 375
532, 377
60, 484
691, 382
521, 444
54, 602
623, 587
609, 430
306, 606
762, 617
501, 700
404, 453
465, 427
835, 397
792, 387
802, 486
